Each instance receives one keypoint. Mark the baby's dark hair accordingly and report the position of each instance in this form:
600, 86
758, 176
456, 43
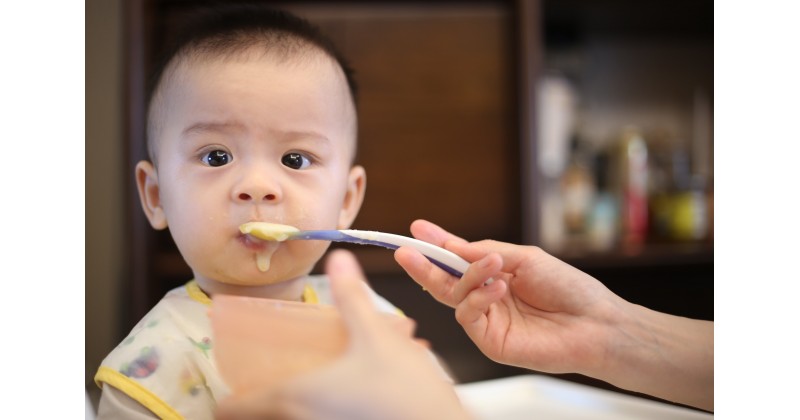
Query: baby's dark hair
225, 29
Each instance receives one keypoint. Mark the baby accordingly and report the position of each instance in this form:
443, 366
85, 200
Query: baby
252, 119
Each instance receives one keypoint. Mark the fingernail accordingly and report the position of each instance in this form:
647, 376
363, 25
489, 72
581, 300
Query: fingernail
484, 262
340, 262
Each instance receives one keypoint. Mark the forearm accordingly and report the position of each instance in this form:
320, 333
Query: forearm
662, 355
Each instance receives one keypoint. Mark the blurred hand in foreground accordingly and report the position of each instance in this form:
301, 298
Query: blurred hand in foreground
384, 372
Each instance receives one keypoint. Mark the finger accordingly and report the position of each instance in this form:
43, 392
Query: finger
403, 325
350, 295
476, 275
425, 344
431, 233
432, 278
513, 255
258, 404
471, 312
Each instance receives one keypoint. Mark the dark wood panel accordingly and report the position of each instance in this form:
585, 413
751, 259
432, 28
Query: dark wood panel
438, 126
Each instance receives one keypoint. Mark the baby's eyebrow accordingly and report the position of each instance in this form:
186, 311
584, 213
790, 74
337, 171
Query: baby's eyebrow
202, 127
287, 136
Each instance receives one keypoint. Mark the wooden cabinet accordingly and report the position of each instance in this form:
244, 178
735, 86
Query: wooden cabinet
448, 124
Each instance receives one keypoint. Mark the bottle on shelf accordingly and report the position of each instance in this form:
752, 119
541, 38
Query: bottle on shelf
577, 191
680, 210
604, 214
690, 214
633, 188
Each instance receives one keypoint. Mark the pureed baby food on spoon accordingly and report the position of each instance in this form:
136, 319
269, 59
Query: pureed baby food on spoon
268, 231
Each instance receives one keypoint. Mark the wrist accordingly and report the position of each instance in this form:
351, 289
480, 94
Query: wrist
623, 341
662, 355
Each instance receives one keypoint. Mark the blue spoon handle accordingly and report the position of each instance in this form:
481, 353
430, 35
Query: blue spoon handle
441, 257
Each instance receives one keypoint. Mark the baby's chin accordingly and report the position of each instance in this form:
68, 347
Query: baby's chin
250, 275
257, 275
288, 286
267, 266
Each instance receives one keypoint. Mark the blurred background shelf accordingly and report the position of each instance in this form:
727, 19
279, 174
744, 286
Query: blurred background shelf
648, 255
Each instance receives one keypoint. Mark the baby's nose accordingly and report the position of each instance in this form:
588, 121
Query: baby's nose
257, 187
243, 196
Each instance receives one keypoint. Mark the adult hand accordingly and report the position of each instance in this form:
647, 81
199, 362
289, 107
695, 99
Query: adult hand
538, 312
384, 372
543, 314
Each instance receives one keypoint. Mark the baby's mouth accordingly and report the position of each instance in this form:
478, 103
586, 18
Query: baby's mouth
253, 242
263, 250
264, 239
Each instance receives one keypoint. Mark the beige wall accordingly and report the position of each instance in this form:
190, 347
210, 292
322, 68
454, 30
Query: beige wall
104, 179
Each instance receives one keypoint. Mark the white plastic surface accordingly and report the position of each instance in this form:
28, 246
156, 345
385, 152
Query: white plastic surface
543, 397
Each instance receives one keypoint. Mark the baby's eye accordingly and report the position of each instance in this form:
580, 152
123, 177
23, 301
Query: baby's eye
217, 158
295, 161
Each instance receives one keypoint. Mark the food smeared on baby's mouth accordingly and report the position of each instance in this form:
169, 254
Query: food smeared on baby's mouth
262, 260
267, 232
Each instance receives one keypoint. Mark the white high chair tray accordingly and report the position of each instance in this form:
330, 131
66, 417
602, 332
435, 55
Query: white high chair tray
543, 397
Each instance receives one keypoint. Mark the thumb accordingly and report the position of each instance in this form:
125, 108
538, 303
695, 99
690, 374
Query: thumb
258, 404
348, 287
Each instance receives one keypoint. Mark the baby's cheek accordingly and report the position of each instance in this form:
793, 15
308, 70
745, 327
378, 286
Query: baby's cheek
307, 253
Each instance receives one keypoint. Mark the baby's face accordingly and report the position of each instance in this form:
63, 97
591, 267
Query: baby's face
255, 139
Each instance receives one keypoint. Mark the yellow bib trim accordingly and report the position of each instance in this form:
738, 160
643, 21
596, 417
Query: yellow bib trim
135, 391
194, 291
310, 295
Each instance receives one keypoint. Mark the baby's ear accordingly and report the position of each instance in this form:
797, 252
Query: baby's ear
354, 196
147, 182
